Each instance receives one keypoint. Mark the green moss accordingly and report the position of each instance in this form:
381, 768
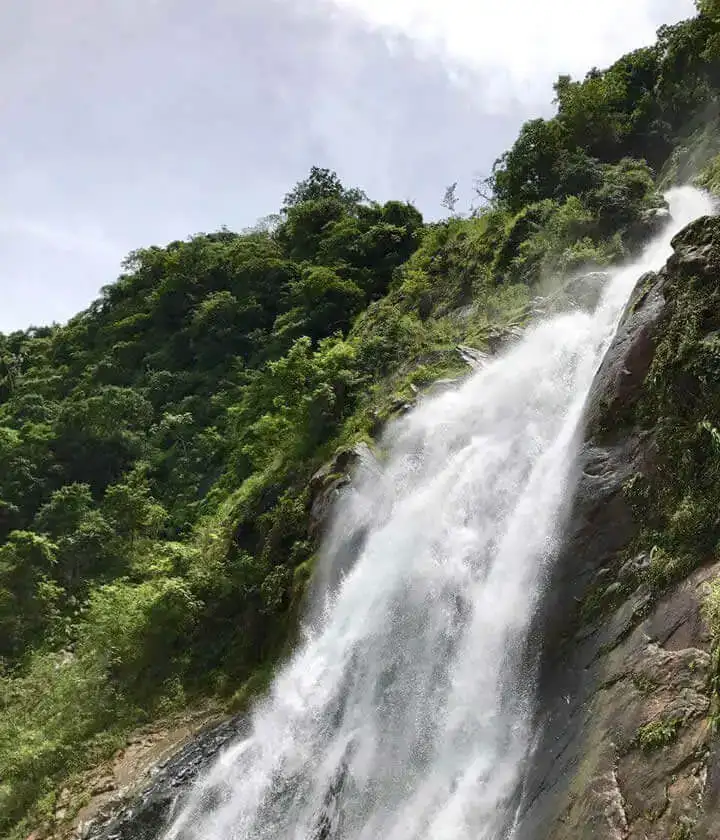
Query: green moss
641, 292
302, 575
665, 568
711, 616
250, 690
602, 598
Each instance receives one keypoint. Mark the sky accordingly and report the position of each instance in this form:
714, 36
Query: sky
127, 123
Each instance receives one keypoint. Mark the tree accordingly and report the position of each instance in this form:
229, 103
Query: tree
132, 511
222, 326
709, 8
65, 510
85, 540
297, 402
627, 190
138, 631
29, 600
322, 303
112, 423
322, 184
528, 172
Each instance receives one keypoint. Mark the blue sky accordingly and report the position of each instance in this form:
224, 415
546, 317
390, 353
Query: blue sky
134, 122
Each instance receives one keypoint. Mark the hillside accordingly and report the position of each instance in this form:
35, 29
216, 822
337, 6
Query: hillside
157, 453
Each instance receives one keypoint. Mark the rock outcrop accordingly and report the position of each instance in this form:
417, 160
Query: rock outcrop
330, 481
146, 808
628, 675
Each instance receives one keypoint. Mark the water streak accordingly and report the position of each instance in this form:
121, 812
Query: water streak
404, 715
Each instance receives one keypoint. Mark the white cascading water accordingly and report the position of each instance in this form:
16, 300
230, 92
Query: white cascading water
405, 713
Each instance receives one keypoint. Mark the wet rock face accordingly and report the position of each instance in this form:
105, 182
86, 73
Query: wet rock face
331, 479
650, 224
618, 384
146, 814
626, 750
627, 742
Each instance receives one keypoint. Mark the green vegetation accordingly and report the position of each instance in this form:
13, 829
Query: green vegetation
684, 830
156, 452
709, 177
711, 614
658, 733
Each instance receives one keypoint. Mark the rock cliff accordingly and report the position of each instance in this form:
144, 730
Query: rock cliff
629, 670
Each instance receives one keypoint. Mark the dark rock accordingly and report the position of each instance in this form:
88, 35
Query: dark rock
501, 337
624, 695
623, 371
145, 815
580, 291
612, 591
650, 224
442, 386
472, 357
697, 250
611, 684
633, 567
331, 479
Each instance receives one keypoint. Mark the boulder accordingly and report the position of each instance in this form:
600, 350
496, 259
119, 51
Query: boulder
585, 290
331, 479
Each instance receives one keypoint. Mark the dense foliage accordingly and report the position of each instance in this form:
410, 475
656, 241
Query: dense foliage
156, 451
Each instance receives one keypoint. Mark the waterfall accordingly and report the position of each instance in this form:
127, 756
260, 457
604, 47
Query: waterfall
405, 714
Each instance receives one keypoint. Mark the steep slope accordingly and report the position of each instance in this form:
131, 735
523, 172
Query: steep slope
628, 697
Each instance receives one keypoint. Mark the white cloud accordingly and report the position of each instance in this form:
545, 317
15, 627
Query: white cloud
515, 49
82, 238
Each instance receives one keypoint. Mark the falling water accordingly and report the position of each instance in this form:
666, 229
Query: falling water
404, 714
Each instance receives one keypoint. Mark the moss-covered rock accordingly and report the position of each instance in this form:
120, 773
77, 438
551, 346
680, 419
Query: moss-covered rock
628, 686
